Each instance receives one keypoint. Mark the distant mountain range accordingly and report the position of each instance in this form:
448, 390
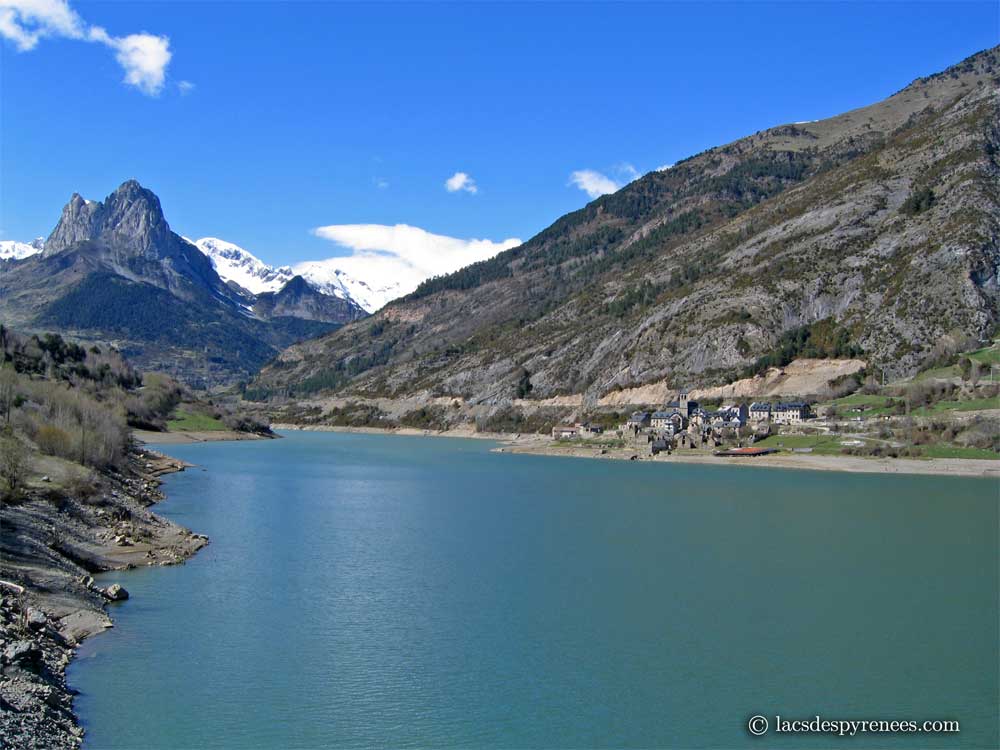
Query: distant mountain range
114, 270
875, 234
250, 275
239, 266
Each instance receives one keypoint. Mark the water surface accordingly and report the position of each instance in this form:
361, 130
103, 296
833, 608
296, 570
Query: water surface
368, 590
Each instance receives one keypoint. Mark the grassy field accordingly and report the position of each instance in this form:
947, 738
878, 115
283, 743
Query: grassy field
186, 421
988, 355
874, 405
948, 372
944, 450
825, 444
877, 405
831, 445
975, 404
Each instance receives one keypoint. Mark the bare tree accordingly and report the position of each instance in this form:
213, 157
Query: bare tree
13, 463
8, 391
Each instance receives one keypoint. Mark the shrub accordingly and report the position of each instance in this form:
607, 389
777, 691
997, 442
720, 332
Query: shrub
246, 423
53, 440
82, 486
918, 201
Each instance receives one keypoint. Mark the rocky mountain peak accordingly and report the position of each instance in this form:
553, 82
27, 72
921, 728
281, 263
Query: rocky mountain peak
129, 219
296, 285
75, 225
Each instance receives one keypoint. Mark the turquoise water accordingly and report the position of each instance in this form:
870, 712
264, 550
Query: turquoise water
366, 590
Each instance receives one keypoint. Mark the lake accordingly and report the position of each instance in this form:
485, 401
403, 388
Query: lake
370, 590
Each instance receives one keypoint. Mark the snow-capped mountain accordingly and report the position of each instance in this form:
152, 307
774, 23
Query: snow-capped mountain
239, 266
329, 277
14, 250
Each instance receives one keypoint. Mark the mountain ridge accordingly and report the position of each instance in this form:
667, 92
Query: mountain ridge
252, 276
877, 228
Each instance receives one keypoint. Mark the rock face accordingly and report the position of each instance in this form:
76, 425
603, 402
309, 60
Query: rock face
130, 219
130, 234
880, 225
114, 270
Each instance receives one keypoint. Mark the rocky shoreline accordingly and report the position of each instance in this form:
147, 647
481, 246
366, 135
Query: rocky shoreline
52, 541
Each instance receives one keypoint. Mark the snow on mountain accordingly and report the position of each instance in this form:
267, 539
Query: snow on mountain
238, 265
241, 267
14, 250
234, 263
329, 277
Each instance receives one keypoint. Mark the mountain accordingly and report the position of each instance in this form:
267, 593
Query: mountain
240, 267
328, 277
873, 234
13, 250
113, 270
128, 235
300, 299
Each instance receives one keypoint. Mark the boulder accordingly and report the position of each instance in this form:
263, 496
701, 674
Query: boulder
36, 618
20, 652
115, 593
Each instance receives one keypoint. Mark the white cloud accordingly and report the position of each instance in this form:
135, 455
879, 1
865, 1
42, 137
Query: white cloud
25, 22
664, 167
185, 87
401, 256
593, 183
461, 181
143, 57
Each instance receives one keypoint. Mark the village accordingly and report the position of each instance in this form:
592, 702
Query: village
729, 430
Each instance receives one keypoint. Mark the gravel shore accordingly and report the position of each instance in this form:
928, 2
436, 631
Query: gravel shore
52, 541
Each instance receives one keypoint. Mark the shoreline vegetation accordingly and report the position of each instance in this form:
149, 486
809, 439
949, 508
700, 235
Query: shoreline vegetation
542, 445
76, 497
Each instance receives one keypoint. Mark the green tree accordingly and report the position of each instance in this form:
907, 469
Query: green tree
523, 383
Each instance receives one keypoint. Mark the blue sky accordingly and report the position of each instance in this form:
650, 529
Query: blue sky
271, 120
